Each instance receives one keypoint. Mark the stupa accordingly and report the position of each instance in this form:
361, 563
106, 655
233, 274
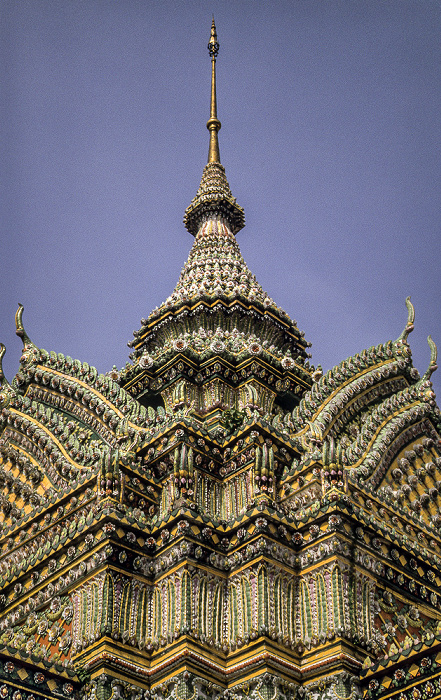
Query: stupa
220, 519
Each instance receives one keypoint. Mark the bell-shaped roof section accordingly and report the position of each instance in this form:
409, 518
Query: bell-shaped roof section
216, 270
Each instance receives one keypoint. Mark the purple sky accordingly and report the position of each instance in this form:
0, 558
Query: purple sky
331, 139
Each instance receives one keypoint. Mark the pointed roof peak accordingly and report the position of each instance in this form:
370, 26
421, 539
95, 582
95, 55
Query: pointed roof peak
214, 196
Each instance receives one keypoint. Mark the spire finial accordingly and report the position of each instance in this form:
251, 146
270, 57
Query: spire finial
213, 124
213, 198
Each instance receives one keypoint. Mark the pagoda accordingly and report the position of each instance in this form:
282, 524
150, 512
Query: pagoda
220, 520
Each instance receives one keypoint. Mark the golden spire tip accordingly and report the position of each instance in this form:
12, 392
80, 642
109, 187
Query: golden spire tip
213, 124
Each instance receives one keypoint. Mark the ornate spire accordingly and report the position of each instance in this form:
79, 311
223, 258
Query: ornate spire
214, 196
213, 124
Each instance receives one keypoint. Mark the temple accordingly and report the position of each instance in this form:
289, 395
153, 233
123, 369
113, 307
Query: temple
220, 519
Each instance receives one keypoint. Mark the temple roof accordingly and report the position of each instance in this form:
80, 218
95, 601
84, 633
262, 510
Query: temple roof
227, 482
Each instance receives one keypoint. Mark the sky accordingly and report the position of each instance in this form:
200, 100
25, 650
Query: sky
331, 140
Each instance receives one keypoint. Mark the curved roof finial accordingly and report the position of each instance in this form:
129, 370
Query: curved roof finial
6, 391
433, 359
410, 321
2, 352
20, 331
213, 124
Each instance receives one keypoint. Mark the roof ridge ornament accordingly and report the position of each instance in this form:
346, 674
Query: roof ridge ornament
6, 390
433, 359
2, 375
20, 331
410, 321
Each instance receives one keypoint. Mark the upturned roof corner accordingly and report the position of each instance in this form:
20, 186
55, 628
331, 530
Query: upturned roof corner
20, 331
